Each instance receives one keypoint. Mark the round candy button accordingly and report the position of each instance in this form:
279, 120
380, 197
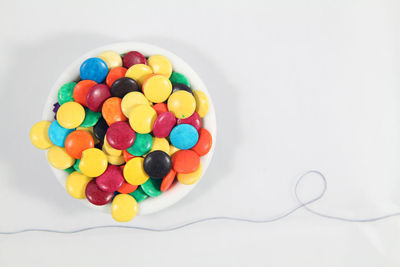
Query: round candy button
193, 120
204, 144
185, 161
70, 115
164, 124
139, 194
124, 85
58, 134
120, 135
97, 196
111, 58
132, 58
91, 118
96, 96
190, 178
168, 180
177, 77
112, 111
160, 144
134, 172
94, 69
81, 90
131, 100
59, 158
100, 129
76, 184
39, 135
157, 164
123, 208
184, 136
93, 162
111, 180
109, 149
152, 187
77, 142
114, 74
202, 103
142, 145
127, 188
182, 104
142, 118
127, 156
160, 65
65, 94
160, 108
115, 160
139, 72
181, 87
157, 88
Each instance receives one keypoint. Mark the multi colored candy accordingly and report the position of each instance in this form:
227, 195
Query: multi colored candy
127, 130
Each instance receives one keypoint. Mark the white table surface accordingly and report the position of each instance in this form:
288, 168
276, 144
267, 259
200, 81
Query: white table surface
298, 85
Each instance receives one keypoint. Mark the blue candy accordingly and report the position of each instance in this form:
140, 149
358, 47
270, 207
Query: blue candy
58, 134
184, 136
94, 69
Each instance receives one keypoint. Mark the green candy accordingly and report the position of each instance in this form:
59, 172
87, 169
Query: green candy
139, 194
91, 118
142, 144
65, 94
152, 187
177, 77
76, 165
70, 170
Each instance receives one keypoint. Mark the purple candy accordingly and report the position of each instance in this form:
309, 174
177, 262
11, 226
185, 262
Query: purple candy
111, 180
56, 106
120, 135
96, 96
193, 120
164, 124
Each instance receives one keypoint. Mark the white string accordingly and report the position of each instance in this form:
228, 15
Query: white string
300, 205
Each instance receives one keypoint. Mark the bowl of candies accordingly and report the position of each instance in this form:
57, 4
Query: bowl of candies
128, 129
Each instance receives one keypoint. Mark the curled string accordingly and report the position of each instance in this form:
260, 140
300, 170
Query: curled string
300, 204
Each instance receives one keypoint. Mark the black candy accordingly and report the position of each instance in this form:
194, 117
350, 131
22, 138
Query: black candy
157, 164
122, 86
100, 129
181, 86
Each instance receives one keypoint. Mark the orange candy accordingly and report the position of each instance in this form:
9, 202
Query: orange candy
160, 108
168, 180
112, 111
127, 155
204, 143
78, 141
81, 89
127, 188
115, 74
185, 161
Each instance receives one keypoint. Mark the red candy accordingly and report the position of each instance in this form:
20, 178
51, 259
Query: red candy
115, 74
120, 135
111, 180
127, 156
204, 143
133, 58
96, 97
193, 120
168, 180
160, 108
127, 188
96, 196
185, 161
164, 124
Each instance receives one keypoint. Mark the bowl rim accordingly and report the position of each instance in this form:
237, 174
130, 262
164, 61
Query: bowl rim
177, 191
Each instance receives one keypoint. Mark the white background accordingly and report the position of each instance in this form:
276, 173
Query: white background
297, 85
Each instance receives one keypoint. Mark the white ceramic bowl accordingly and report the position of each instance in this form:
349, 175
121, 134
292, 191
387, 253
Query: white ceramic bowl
177, 191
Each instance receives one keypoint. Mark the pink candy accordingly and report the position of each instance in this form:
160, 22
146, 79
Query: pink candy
193, 120
96, 96
120, 135
111, 180
164, 124
97, 196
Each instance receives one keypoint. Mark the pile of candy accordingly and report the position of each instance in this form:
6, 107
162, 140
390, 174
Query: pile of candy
125, 131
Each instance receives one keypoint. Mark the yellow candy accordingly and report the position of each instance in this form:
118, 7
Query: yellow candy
134, 172
115, 160
123, 208
59, 158
89, 130
39, 135
132, 99
160, 65
190, 178
182, 104
142, 118
139, 72
172, 150
70, 115
93, 162
160, 144
110, 150
157, 88
76, 184
202, 103
111, 58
